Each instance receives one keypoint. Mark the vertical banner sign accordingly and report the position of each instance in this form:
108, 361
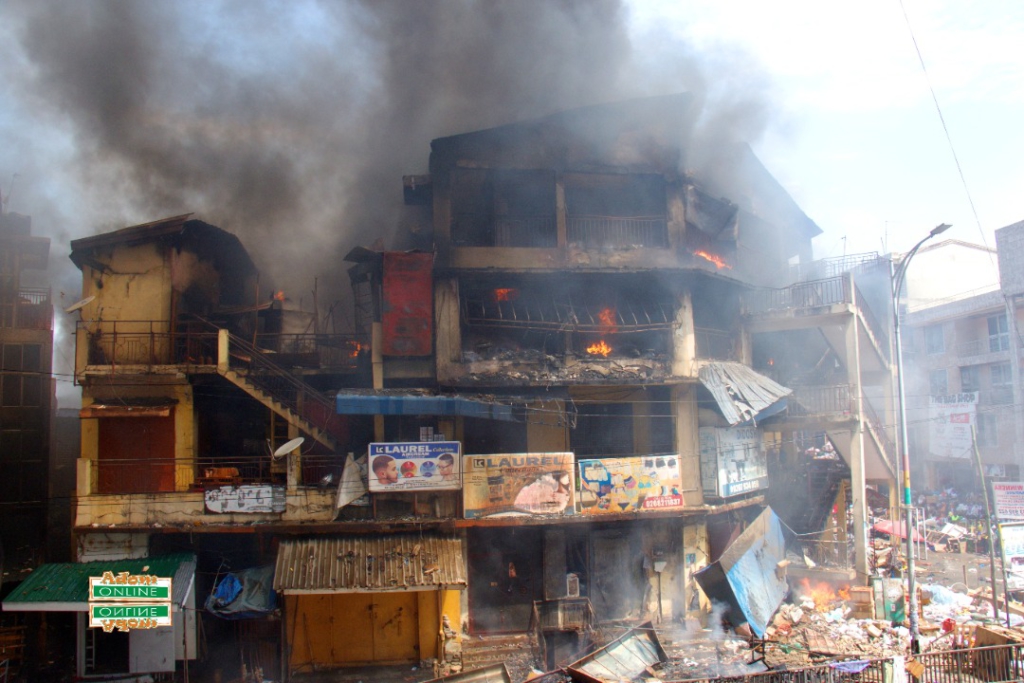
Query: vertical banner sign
629, 484
732, 461
1011, 538
407, 317
415, 466
1009, 499
523, 483
950, 419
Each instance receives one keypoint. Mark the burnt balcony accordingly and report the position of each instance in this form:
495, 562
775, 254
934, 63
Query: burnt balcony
604, 232
147, 343
28, 309
835, 401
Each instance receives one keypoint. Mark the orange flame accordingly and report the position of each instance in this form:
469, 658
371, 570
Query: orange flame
713, 258
506, 294
822, 594
279, 295
608, 322
599, 349
355, 347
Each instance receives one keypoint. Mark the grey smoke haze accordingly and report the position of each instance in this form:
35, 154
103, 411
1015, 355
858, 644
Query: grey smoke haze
291, 124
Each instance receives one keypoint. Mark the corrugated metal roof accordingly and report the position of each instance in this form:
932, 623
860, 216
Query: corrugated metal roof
740, 392
65, 586
626, 658
348, 564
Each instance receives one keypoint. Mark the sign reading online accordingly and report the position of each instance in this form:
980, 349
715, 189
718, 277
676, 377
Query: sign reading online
126, 601
415, 466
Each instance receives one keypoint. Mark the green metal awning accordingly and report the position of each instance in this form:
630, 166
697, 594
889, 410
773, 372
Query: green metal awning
64, 587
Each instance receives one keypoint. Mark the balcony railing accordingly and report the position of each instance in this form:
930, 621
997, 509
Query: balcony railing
715, 344
827, 552
996, 396
833, 290
980, 347
595, 232
152, 342
526, 231
877, 427
826, 400
29, 309
831, 267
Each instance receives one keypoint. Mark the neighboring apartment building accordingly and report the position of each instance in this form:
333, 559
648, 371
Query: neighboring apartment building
26, 395
962, 353
609, 342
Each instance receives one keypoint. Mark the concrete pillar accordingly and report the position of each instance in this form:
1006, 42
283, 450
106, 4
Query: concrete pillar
684, 340
687, 444
855, 457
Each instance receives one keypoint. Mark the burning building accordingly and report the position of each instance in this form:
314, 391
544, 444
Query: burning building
570, 399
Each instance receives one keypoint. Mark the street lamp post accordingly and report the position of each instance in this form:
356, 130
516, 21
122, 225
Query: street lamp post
898, 275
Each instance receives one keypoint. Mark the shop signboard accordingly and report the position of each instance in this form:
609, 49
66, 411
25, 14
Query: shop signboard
732, 461
650, 482
518, 484
1011, 539
414, 466
1009, 499
950, 419
129, 602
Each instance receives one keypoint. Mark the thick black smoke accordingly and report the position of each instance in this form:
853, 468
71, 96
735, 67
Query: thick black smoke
291, 124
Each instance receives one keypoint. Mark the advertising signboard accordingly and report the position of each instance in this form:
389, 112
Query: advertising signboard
415, 466
127, 602
650, 482
1009, 499
519, 483
950, 419
1011, 538
732, 461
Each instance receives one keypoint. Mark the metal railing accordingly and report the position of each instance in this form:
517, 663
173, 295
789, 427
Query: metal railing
980, 347
881, 335
877, 427
827, 552
324, 351
996, 663
834, 400
28, 308
278, 383
525, 231
833, 290
831, 267
594, 232
146, 342
715, 344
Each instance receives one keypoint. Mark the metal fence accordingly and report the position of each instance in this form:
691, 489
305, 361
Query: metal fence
525, 231
834, 400
996, 664
617, 231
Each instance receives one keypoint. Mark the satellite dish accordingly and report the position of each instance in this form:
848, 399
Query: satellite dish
287, 448
79, 304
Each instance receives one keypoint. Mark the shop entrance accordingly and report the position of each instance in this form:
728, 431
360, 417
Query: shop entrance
339, 629
505, 577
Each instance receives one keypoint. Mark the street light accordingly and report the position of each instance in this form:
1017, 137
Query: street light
897, 276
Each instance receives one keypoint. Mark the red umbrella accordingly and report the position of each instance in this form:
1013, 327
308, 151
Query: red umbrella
886, 527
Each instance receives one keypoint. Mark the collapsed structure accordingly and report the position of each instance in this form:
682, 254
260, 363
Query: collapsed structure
622, 359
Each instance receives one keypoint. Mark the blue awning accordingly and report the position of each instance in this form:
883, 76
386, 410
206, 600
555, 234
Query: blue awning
450, 406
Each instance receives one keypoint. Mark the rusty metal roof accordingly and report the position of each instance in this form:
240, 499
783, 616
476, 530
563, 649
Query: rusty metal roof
741, 393
361, 564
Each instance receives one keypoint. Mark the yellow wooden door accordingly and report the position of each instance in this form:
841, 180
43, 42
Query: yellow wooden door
395, 627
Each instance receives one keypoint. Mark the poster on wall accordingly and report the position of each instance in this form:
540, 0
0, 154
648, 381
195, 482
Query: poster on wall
732, 461
1009, 499
1011, 539
518, 484
414, 466
950, 419
630, 484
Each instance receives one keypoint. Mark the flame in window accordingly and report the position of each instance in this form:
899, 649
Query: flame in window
506, 294
279, 295
713, 258
609, 325
354, 349
599, 349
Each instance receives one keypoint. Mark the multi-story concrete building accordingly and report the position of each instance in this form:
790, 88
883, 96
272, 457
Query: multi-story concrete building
569, 400
963, 359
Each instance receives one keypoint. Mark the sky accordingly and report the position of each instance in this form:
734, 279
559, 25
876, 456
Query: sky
291, 124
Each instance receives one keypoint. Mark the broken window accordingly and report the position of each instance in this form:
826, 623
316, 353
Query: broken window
503, 208
503, 319
606, 210
603, 430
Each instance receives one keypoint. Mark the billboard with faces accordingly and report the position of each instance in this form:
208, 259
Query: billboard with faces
426, 466
650, 482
